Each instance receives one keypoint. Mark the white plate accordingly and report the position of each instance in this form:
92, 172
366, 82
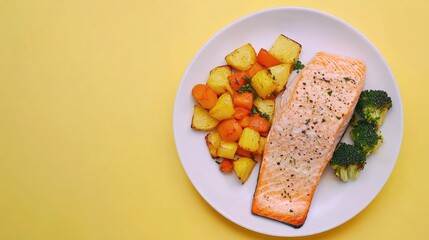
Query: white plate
334, 202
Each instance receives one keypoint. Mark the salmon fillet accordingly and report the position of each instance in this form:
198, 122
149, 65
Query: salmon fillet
311, 117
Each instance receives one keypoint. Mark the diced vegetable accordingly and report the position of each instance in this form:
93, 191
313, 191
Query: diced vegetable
266, 59
218, 79
285, 49
259, 123
280, 75
204, 95
245, 122
243, 168
237, 80
244, 100
254, 69
263, 83
227, 149
261, 145
226, 166
224, 108
213, 142
249, 140
201, 119
243, 153
242, 58
229, 130
241, 112
265, 106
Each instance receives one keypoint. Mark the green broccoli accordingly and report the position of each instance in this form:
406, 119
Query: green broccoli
347, 161
354, 120
373, 105
366, 137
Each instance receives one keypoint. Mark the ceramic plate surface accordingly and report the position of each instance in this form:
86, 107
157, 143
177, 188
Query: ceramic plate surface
334, 202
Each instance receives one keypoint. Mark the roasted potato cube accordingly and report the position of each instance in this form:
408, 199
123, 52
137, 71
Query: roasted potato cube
261, 145
224, 107
218, 80
285, 49
265, 106
249, 140
280, 75
263, 83
227, 149
243, 168
242, 58
201, 119
213, 142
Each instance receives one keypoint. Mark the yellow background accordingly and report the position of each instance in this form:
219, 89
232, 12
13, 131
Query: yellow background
87, 89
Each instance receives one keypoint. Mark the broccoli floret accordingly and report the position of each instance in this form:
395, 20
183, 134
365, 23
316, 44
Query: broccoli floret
347, 161
366, 137
354, 120
373, 105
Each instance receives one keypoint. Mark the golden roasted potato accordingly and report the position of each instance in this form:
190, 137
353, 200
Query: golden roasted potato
201, 119
227, 149
285, 49
218, 79
224, 107
249, 140
261, 145
213, 142
280, 75
265, 106
242, 58
243, 168
263, 83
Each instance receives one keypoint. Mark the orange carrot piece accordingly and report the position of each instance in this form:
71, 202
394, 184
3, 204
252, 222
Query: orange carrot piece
241, 112
266, 59
259, 123
244, 100
226, 166
229, 130
237, 80
204, 95
245, 122
273, 96
244, 153
254, 69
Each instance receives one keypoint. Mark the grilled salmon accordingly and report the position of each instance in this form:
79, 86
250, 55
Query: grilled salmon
310, 119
